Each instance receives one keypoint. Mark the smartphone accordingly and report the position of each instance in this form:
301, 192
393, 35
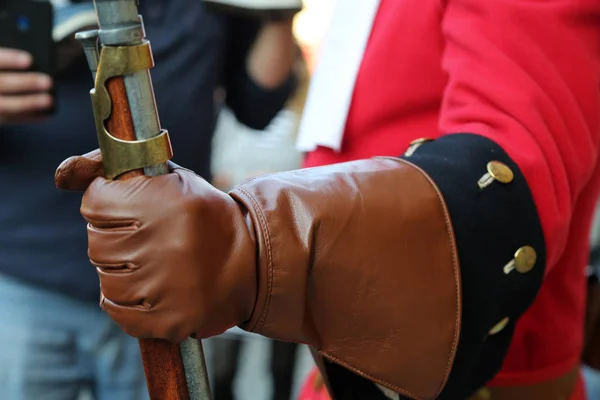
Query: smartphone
27, 25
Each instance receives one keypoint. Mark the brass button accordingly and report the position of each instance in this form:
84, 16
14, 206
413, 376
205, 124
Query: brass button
499, 326
524, 261
415, 144
496, 171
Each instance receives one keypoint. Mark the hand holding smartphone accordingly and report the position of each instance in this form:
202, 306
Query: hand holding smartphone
23, 94
26, 60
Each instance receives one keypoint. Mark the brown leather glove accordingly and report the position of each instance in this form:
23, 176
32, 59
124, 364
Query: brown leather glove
337, 257
173, 253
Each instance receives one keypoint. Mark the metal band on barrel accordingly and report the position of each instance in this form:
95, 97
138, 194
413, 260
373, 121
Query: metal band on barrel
121, 156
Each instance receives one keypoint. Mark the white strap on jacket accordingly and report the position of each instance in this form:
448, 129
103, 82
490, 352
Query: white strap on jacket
332, 84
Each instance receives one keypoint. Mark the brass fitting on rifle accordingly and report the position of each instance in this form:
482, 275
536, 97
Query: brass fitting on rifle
121, 156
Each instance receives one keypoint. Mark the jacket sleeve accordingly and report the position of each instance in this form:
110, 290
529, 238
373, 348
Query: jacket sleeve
526, 75
253, 105
352, 257
523, 90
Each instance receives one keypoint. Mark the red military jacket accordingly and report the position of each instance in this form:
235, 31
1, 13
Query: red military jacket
525, 75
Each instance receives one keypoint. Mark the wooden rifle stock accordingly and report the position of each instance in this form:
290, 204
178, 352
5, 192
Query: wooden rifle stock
163, 363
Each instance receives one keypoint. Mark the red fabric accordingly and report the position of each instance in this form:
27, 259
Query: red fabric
497, 68
311, 391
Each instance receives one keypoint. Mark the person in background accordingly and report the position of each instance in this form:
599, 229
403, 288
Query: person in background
239, 153
54, 341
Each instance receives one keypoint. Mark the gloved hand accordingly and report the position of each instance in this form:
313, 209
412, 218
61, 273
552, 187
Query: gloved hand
332, 257
269, 9
174, 254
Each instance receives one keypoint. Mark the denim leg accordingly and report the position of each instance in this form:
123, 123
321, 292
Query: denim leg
38, 351
592, 383
118, 364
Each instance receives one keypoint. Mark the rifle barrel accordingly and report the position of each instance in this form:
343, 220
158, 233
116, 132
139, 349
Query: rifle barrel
173, 371
120, 25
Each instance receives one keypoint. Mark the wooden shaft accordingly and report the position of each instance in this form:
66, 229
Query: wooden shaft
163, 363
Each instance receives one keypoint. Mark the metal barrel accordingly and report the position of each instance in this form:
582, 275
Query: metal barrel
121, 25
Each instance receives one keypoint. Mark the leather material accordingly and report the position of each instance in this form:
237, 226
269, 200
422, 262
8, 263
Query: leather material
174, 255
359, 261
489, 224
77, 173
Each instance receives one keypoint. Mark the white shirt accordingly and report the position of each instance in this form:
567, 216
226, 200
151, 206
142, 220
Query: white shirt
332, 84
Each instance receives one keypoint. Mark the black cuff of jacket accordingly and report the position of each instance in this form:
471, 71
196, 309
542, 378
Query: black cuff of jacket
256, 106
490, 225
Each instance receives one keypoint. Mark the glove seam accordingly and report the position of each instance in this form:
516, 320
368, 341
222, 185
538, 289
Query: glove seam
258, 326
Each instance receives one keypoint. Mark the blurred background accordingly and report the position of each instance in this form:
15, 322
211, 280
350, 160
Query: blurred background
242, 366
55, 343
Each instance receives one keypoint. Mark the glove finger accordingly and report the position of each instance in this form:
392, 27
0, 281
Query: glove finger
124, 287
146, 323
135, 321
109, 204
77, 173
116, 255
113, 248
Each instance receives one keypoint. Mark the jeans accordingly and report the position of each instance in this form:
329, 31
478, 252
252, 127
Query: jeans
592, 383
53, 347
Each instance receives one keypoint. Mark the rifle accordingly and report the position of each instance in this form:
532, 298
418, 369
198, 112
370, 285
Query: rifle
132, 144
